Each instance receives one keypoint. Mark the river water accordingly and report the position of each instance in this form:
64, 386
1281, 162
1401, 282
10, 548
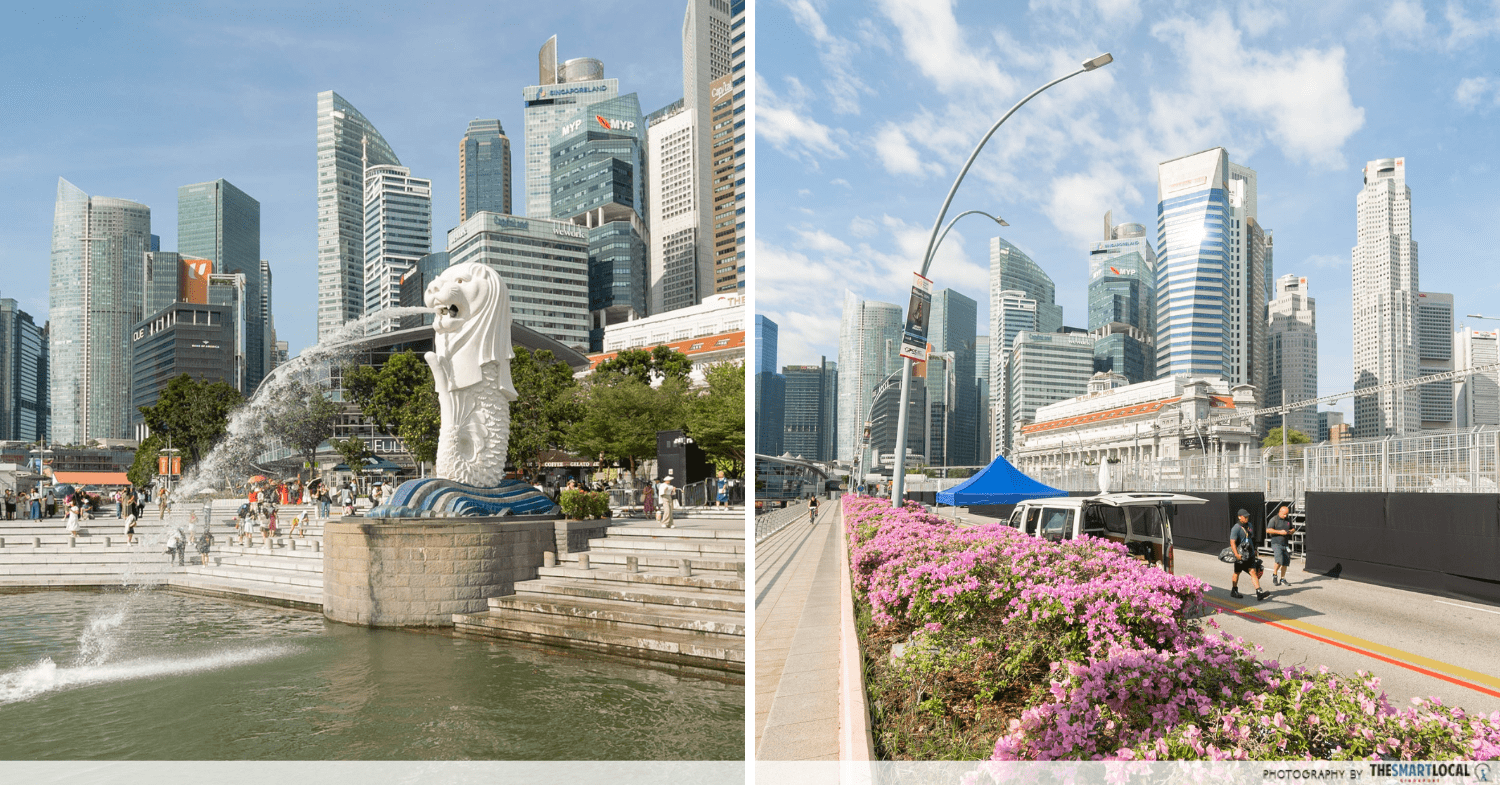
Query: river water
153, 675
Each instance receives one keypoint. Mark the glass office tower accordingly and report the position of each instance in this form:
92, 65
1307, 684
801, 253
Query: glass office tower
869, 351
221, 223
483, 170
347, 143
398, 232
94, 295
1122, 302
561, 89
23, 375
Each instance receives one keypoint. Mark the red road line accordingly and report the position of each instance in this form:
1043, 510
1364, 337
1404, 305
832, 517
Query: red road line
1406, 665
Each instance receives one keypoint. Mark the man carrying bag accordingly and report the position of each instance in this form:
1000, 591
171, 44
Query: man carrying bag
1245, 557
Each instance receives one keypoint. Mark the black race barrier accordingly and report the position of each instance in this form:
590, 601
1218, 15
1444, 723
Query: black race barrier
1437, 542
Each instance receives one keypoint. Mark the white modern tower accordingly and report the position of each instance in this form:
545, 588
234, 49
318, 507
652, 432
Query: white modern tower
707, 55
1293, 354
1477, 395
1384, 269
398, 232
676, 276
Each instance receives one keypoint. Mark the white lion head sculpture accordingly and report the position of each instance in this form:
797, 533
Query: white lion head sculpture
472, 326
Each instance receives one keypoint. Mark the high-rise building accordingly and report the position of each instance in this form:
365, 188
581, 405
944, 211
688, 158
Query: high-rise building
739, 30
1477, 397
770, 390
679, 272
23, 375
483, 170
544, 263
221, 223
707, 56
984, 444
951, 393
869, 351
1435, 355
1292, 355
170, 277
722, 187
95, 296
182, 338
1122, 302
347, 144
1045, 368
885, 407
398, 232
229, 292
811, 411
1012, 270
598, 181
1211, 270
1012, 312
561, 89
1386, 283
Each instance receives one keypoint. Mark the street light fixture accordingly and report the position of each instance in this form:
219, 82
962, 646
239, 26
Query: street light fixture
899, 482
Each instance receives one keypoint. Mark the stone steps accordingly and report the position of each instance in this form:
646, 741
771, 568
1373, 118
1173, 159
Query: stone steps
237, 587
708, 584
701, 650
630, 540
643, 595
611, 614
658, 561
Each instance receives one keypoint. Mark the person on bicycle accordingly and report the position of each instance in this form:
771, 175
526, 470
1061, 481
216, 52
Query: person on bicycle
812, 510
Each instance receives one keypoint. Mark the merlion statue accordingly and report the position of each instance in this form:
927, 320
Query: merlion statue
471, 370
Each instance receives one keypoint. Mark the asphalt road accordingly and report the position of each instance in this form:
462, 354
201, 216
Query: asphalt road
1420, 645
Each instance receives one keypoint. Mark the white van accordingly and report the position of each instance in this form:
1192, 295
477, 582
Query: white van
1142, 521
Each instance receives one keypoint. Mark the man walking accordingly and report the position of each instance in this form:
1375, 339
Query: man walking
1280, 530
1245, 558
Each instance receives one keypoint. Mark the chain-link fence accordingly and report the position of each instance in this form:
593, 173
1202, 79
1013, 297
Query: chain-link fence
1445, 462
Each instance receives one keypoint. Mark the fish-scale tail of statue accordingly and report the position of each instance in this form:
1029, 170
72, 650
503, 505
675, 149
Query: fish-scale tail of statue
471, 370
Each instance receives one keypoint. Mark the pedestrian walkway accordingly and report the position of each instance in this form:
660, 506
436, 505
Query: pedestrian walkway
797, 641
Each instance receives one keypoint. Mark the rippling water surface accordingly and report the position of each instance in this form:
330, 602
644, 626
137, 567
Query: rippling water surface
161, 676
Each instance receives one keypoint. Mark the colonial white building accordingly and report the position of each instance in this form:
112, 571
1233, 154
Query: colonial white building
709, 333
1166, 419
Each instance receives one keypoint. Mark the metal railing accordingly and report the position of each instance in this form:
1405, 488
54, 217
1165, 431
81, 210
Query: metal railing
768, 523
1445, 462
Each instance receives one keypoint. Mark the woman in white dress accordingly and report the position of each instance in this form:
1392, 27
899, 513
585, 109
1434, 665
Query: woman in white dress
73, 512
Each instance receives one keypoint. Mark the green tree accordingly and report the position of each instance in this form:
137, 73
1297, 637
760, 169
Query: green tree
399, 399
661, 362
191, 415
143, 468
546, 406
716, 417
303, 418
354, 452
1293, 436
621, 416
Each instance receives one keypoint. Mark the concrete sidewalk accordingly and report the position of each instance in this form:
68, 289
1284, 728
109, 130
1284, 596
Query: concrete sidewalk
797, 641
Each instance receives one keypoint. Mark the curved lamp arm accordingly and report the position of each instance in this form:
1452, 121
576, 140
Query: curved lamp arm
944, 235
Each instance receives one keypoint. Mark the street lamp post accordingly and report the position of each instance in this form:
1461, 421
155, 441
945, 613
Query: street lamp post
898, 483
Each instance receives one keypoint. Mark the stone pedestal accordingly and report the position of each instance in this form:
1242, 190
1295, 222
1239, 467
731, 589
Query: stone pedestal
418, 572
574, 536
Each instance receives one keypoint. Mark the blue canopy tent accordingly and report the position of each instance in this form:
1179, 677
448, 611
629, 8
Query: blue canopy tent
998, 483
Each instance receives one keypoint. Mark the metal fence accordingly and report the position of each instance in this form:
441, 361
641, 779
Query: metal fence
768, 523
1447, 462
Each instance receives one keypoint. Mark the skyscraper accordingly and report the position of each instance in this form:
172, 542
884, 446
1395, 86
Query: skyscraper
869, 351
1211, 270
95, 296
1384, 269
1122, 302
676, 277
398, 232
722, 187
951, 391
770, 390
483, 170
707, 55
170, 277
347, 143
1046, 368
739, 31
811, 411
1478, 395
1435, 355
984, 434
560, 90
1292, 353
23, 375
598, 181
221, 223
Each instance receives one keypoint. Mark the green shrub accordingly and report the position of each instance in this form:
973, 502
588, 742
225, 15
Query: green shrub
575, 504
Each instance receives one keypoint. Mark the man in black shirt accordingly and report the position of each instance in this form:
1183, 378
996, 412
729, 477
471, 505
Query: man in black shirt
1245, 558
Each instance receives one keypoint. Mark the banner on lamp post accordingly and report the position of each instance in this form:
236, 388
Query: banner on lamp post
914, 337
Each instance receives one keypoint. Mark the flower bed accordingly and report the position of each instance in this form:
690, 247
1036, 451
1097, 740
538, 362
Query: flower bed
986, 643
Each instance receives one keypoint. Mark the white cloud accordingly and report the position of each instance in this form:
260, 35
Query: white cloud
862, 227
896, 153
821, 241
1115, 13
786, 124
1463, 31
933, 41
1301, 97
1325, 261
843, 86
840, 181
1476, 89
1259, 18
1078, 201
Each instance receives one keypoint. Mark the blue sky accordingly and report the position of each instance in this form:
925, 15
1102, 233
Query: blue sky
134, 101
866, 112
